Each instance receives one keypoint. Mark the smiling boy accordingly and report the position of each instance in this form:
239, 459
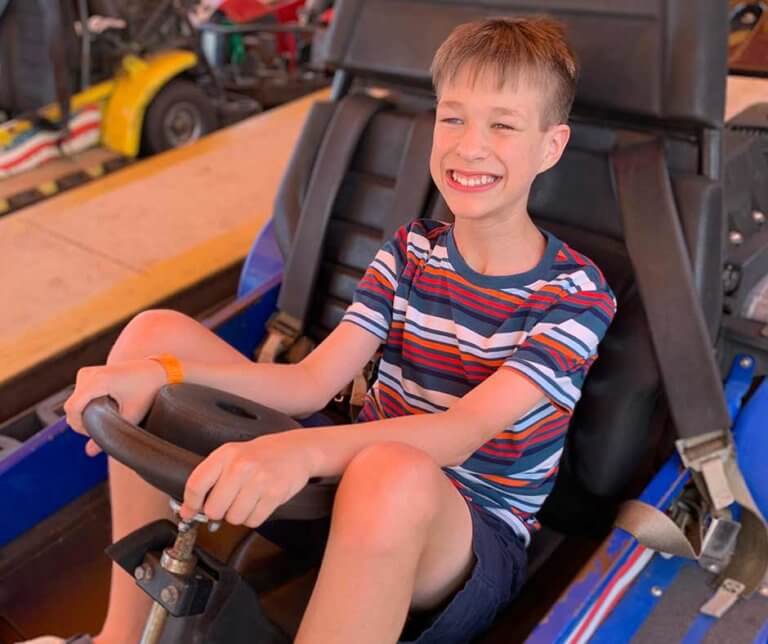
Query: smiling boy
488, 327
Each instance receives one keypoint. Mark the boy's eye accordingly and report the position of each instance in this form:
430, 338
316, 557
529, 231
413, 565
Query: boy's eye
503, 126
451, 120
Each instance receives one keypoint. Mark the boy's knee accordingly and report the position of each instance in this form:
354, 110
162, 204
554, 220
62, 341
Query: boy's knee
147, 333
388, 492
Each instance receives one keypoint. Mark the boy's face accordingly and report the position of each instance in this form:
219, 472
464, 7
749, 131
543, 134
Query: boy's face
489, 144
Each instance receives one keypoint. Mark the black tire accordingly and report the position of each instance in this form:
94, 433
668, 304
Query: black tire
180, 114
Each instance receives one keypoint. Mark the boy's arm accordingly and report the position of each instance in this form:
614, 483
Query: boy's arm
450, 437
245, 482
294, 389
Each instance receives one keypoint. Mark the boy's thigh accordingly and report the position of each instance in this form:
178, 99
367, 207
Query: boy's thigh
494, 577
167, 331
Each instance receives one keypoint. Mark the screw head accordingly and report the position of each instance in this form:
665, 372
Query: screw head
713, 568
736, 238
758, 217
143, 572
764, 590
170, 595
745, 363
656, 591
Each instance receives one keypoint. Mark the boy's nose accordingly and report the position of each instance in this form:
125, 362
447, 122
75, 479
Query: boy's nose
472, 145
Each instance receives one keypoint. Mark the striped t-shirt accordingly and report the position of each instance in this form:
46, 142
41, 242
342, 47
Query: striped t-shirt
445, 328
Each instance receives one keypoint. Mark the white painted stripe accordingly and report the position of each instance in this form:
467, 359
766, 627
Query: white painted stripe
605, 601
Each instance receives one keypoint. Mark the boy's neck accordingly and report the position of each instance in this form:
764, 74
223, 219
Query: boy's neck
500, 247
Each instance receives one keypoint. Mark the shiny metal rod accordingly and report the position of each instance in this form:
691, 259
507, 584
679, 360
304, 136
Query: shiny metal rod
153, 629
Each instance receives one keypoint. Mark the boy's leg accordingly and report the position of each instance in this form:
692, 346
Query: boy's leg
400, 538
134, 502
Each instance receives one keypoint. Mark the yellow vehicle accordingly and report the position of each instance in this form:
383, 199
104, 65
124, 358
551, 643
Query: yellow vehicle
148, 104
149, 95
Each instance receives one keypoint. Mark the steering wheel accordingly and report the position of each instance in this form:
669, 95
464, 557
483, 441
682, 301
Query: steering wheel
187, 422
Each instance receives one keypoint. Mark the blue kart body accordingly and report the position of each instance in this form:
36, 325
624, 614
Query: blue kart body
608, 601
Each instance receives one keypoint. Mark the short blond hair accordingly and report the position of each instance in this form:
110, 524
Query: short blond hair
509, 48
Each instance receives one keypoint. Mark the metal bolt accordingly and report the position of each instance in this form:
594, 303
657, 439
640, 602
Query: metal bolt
745, 363
714, 568
213, 526
169, 595
736, 238
764, 590
143, 572
656, 591
731, 277
758, 217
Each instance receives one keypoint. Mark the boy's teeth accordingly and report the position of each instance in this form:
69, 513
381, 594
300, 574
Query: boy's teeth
479, 180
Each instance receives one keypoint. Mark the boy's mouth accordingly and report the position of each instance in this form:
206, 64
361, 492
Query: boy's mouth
471, 181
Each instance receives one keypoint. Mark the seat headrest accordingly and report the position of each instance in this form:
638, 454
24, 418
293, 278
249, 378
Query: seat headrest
663, 59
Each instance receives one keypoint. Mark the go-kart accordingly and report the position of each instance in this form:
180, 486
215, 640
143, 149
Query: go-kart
640, 191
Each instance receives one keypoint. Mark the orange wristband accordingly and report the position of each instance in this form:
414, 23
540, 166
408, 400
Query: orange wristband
173, 372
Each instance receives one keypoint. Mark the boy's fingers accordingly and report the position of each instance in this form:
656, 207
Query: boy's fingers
244, 504
223, 494
202, 479
264, 508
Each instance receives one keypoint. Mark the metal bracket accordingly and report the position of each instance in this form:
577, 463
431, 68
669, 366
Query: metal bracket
719, 544
726, 596
707, 455
282, 332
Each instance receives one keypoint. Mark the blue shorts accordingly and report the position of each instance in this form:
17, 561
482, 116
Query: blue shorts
498, 574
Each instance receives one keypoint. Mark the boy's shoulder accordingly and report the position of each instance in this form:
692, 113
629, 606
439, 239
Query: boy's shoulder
568, 260
580, 279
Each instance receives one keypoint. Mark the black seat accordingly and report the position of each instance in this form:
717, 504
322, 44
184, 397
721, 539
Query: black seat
661, 93
647, 70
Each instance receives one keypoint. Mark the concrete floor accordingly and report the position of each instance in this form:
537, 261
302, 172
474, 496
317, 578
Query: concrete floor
80, 261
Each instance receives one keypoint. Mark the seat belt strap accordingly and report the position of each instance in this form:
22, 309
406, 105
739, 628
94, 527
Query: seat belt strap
339, 144
344, 133
412, 188
659, 257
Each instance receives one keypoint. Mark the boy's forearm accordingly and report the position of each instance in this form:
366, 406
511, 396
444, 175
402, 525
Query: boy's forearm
446, 436
287, 388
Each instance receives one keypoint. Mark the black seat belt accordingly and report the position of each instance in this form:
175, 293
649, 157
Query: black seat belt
411, 190
333, 159
657, 250
414, 183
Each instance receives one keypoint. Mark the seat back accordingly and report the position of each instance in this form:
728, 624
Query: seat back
363, 208
648, 67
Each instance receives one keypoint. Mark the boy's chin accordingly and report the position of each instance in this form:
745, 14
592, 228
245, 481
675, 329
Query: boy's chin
468, 211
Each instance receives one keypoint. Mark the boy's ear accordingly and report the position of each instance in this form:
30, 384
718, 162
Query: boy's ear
555, 141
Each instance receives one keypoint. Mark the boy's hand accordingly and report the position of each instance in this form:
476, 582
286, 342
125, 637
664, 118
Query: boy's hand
246, 482
132, 384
